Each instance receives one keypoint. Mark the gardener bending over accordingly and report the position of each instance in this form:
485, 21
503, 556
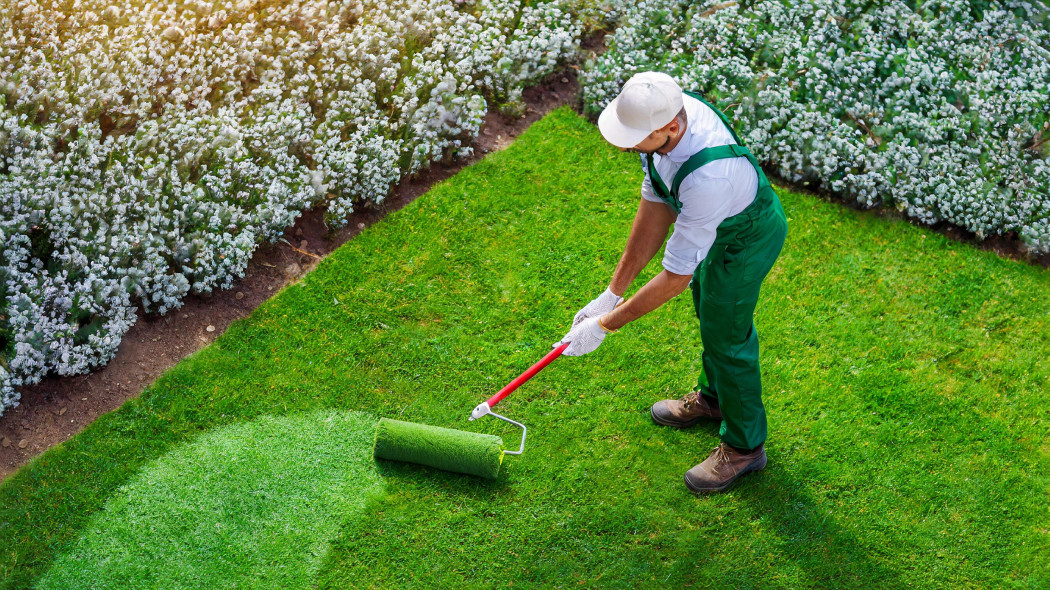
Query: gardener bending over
729, 229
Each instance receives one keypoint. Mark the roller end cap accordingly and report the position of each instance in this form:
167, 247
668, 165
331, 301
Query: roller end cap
482, 409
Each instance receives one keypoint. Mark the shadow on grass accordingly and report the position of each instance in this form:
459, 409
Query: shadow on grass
402, 474
826, 554
768, 530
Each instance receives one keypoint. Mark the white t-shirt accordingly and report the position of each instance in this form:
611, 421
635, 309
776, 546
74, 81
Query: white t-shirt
709, 194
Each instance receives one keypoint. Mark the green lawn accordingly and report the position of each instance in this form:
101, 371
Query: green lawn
252, 504
905, 374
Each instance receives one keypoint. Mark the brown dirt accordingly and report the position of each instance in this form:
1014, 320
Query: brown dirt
55, 409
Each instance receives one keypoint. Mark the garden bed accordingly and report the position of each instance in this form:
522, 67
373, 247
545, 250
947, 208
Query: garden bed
147, 151
59, 407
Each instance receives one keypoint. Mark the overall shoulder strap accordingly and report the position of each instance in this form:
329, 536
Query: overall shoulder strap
706, 156
669, 196
717, 153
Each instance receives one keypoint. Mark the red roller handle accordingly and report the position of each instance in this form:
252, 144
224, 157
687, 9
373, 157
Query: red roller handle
528, 374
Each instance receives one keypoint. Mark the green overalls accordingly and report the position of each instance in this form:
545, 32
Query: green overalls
725, 292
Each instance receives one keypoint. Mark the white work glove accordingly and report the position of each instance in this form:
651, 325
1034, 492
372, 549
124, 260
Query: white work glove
584, 338
605, 303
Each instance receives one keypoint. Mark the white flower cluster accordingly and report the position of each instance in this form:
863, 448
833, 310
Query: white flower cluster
942, 111
146, 149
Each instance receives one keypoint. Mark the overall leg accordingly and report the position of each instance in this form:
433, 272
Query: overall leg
730, 358
725, 301
730, 282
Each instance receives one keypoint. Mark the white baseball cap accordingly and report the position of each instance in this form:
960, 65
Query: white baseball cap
647, 102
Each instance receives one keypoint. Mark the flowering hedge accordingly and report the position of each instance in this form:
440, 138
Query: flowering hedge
147, 149
940, 108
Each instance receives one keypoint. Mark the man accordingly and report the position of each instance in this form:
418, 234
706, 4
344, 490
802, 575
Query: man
729, 228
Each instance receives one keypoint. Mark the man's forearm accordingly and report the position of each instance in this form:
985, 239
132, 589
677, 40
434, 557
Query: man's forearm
661, 289
647, 235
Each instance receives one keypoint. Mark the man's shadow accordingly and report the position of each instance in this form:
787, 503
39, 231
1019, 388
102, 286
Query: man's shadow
827, 553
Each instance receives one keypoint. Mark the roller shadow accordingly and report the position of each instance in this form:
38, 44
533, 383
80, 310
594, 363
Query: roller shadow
402, 475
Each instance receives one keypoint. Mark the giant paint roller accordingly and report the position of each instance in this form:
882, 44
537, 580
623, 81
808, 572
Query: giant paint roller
456, 450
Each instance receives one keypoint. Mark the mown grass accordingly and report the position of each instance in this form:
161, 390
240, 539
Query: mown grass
905, 376
255, 504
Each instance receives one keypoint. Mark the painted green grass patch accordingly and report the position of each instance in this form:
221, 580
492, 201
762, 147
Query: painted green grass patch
251, 505
906, 380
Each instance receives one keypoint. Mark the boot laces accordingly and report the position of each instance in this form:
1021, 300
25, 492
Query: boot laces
690, 400
721, 457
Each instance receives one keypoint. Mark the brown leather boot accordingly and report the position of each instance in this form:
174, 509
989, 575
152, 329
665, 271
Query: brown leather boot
722, 467
683, 413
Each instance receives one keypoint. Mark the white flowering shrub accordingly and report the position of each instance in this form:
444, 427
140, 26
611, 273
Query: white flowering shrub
146, 149
940, 108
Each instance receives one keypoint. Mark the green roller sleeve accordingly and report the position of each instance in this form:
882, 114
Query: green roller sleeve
443, 448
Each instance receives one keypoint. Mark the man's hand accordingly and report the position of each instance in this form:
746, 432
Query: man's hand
605, 303
584, 338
